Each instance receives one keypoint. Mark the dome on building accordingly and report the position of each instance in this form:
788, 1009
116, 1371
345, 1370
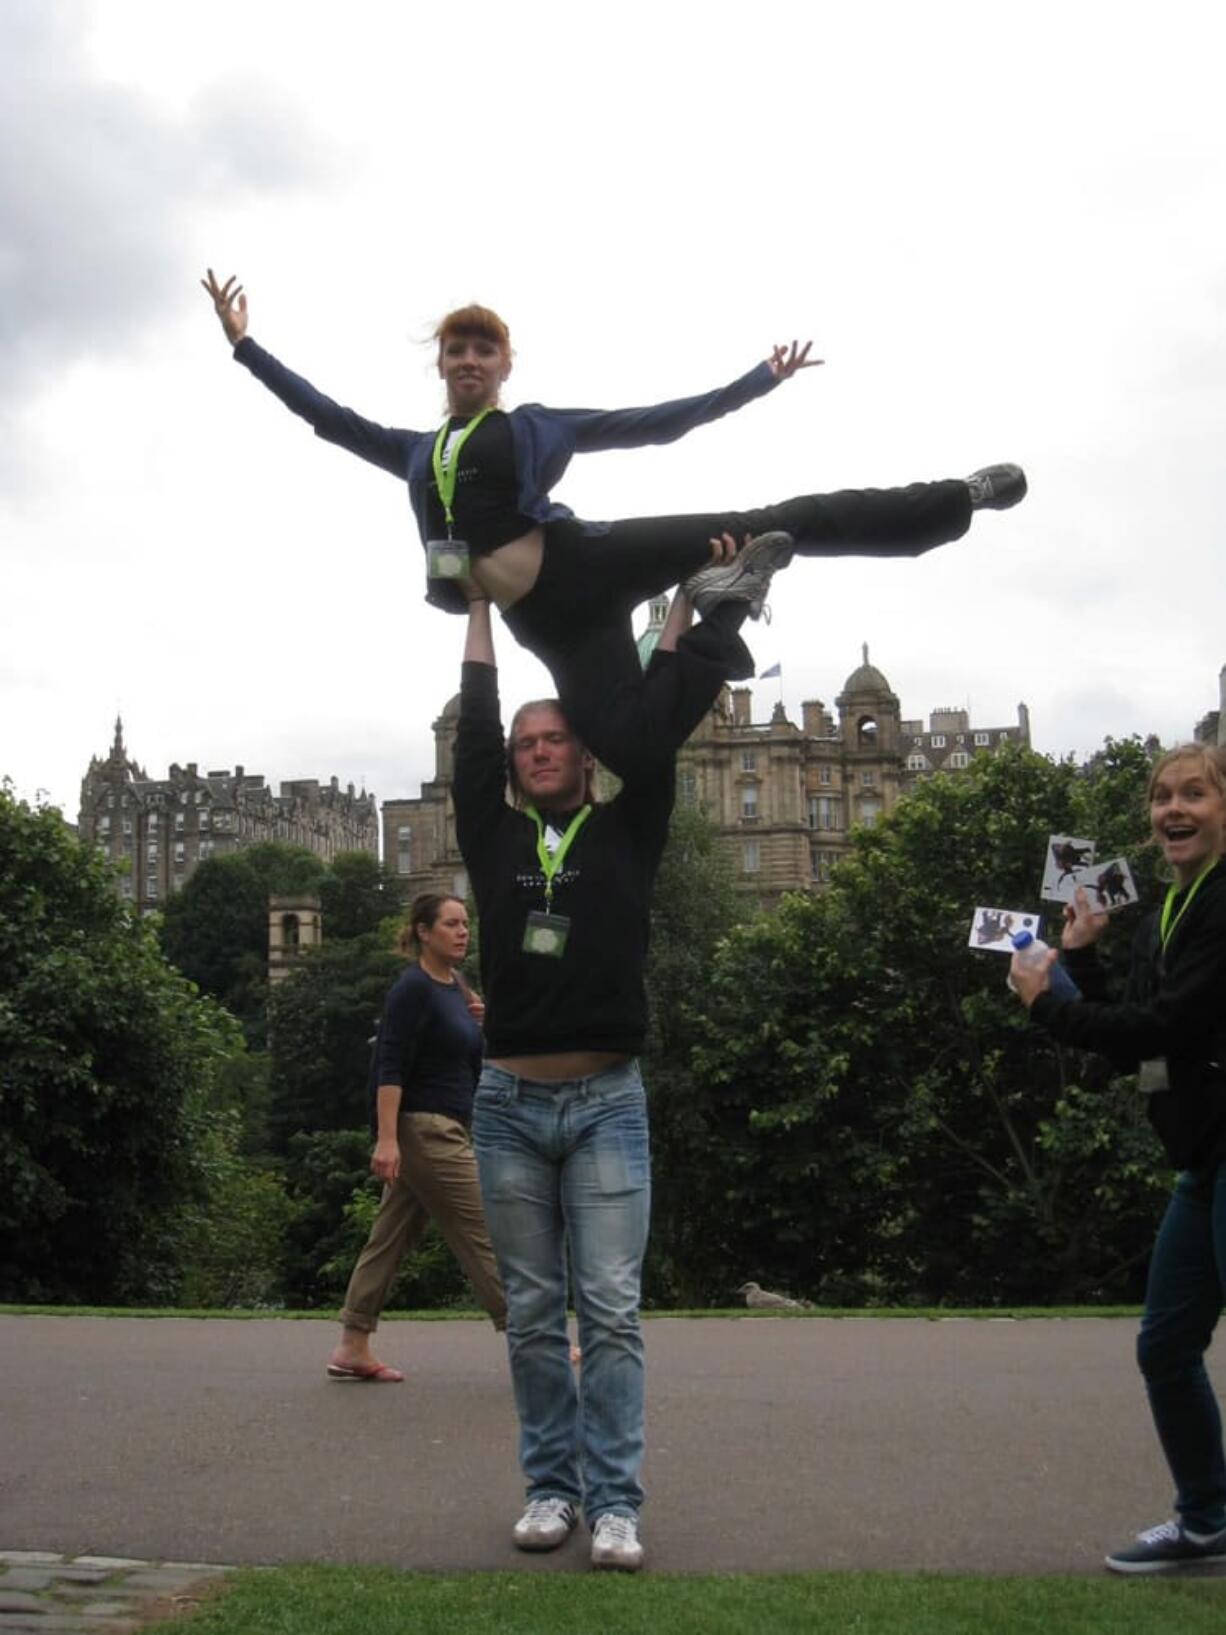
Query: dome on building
867, 679
657, 612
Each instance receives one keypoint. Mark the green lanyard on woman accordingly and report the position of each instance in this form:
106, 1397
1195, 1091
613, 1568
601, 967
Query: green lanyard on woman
447, 469
1167, 926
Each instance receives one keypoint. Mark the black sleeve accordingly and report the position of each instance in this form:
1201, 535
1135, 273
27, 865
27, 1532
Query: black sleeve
480, 781
383, 446
404, 1018
1185, 1010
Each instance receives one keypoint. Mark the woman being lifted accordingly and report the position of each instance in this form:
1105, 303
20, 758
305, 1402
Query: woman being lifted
480, 489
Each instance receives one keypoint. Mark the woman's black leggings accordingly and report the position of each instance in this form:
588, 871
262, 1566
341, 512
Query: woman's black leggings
576, 618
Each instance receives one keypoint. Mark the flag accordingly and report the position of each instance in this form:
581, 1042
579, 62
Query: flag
775, 670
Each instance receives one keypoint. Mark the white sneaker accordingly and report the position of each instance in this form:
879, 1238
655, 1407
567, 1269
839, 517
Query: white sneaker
545, 1524
615, 1542
746, 578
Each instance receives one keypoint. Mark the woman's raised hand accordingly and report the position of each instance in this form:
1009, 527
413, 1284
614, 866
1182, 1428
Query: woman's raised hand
230, 305
1083, 923
786, 360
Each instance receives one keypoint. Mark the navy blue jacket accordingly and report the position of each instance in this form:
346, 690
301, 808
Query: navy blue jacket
544, 439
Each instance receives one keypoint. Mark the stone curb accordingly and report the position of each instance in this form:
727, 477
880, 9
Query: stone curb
108, 1595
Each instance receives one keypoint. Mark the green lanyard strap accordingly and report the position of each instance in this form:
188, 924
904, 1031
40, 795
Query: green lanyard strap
551, 862
447, 471
1166, 927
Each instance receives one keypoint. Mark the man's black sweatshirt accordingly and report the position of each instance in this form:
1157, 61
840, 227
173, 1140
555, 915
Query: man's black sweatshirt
592, 998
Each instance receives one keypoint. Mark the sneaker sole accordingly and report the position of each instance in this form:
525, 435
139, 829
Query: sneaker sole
769, 552
1180, 1565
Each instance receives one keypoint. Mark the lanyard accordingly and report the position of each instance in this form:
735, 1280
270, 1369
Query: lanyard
552, 862
447, 471
1166, 929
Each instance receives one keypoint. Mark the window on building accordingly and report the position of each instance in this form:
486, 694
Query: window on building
866, 733
825, 812
202, 817
404, 848
938, 740
749, 803
749, 760
870, 810
127, 825
104, 824
824, 774
982, 738
687, 786
751, 859
125, 888
917, 763
820, 865
151, 851
459, 884
868, 778
151, 888
204, 849
959, 758
178, 823
153, 822
110, 801
180, 853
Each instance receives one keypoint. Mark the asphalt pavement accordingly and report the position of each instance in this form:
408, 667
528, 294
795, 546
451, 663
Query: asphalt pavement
773, 1445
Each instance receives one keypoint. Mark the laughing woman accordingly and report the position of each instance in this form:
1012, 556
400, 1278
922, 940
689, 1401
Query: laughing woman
1170, 1027
480, 491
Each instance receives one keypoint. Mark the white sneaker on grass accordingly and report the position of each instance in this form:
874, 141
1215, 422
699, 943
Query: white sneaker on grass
615, 1542
545, 1524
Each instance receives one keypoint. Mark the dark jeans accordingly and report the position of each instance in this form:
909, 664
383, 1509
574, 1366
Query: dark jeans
576, 618
1183, 1301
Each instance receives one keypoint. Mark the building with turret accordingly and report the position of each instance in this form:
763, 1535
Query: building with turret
783, 796
162, 828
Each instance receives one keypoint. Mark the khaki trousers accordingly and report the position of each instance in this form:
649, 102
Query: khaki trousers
437, 1180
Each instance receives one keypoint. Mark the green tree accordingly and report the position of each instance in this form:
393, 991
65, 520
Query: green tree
109, 1063
878, 1119
321, 1019
694, 908
216, 929
357, 894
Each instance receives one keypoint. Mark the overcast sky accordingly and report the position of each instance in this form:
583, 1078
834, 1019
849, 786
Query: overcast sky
1002, 226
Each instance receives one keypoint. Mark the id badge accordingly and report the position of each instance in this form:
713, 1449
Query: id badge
1152, 1076
446, 559
546, 934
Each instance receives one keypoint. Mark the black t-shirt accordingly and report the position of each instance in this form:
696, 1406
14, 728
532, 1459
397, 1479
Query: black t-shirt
429, 1044
486, 503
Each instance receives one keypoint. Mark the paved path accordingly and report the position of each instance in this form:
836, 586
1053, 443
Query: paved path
774, 1445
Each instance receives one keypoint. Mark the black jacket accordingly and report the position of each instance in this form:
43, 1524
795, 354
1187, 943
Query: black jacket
1174, 1007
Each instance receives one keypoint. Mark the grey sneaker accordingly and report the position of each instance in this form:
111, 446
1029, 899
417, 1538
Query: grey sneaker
745, 579
996, 488
545, 1524
615, 1542
1166, 1548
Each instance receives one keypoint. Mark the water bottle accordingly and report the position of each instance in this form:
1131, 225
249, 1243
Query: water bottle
1032, 950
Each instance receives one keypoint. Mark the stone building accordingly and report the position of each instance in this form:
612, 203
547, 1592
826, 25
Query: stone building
783, 796
164, 827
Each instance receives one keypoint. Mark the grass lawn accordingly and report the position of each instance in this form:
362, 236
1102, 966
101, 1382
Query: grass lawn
376, 1601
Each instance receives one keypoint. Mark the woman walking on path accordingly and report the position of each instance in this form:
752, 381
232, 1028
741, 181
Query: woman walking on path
427, 1063
1170, 1028
480, 491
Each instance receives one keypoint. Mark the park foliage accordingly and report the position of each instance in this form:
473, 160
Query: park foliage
845, 1100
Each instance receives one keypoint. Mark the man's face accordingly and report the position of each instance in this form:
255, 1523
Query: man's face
551, 764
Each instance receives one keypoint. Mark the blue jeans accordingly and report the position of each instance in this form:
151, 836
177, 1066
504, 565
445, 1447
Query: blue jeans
565, 1164
1183, 1301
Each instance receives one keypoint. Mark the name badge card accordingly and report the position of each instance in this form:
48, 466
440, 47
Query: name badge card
447, 559
546, 934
